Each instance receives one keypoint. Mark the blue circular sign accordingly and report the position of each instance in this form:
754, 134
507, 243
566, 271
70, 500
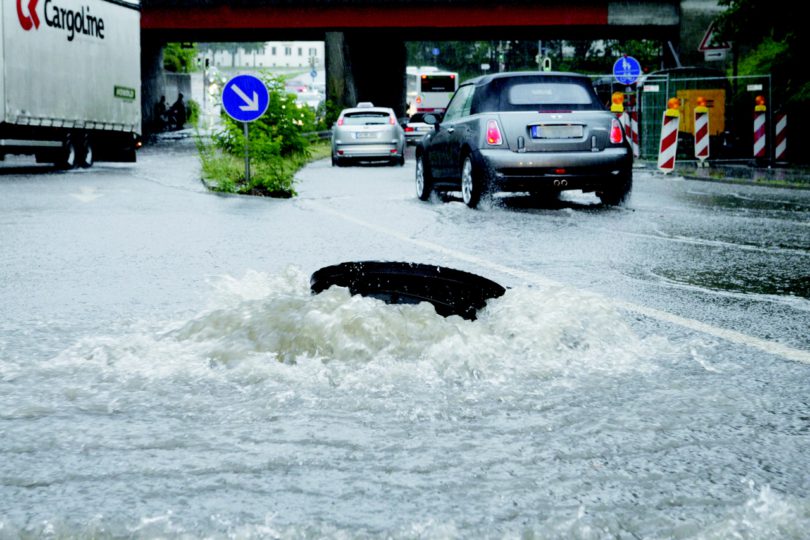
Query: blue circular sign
245, 98
626, 70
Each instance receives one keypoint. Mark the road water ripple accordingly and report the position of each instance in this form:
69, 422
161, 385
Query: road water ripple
274, 413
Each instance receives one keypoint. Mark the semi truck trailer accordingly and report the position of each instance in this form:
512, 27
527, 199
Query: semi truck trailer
70, 80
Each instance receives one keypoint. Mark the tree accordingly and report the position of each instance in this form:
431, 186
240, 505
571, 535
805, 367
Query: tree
768, 37
178, 57
585, 56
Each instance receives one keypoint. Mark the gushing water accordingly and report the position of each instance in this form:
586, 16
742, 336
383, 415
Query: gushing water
275, 413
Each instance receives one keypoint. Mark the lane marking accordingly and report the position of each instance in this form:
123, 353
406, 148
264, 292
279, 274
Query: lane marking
708, 243
770, 347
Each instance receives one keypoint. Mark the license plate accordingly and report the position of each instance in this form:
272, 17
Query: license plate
365, 135
556, 132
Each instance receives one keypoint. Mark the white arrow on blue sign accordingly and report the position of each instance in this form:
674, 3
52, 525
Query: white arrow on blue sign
245, 98
626, 70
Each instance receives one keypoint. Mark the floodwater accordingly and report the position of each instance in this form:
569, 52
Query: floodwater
229, 402
273, 413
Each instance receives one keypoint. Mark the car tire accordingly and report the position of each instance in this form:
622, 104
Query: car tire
473, 182
401, 160
618, 194
424, 179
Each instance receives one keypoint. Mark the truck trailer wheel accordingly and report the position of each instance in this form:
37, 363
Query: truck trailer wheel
86, 158
67, 155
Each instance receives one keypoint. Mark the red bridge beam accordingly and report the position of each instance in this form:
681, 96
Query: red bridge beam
342, 17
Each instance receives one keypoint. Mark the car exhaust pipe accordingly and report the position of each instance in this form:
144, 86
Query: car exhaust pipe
556, 183
563, 183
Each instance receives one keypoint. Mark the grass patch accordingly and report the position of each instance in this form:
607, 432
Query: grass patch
273, 176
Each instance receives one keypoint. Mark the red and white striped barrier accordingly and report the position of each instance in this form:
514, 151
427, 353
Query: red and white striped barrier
624, 119
634, 139
701, 131
760, 138
781, 137
669, 137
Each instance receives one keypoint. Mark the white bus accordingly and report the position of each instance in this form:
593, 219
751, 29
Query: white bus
429, 89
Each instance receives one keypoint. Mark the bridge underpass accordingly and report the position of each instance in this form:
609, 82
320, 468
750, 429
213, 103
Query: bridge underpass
365, 39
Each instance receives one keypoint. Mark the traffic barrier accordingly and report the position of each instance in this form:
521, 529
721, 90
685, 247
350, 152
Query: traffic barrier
669, 136
701, 130
617, 106
624, 120
759, 127
781, 137
634, 139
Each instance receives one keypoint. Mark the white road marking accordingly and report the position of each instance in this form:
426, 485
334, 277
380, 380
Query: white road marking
770, 347
708, 243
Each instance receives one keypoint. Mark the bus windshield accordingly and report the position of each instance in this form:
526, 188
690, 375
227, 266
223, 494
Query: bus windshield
438, 83
430, 90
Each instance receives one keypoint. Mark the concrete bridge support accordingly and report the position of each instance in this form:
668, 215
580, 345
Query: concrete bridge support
366, 66
153, 83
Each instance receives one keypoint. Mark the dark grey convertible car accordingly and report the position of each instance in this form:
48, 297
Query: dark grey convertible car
527, 131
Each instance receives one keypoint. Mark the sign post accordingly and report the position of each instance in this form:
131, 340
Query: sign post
245, 98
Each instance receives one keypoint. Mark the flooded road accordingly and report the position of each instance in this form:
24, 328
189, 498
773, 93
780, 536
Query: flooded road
165, 371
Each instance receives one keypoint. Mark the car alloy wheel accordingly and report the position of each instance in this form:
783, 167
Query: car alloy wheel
422, 182
470, 186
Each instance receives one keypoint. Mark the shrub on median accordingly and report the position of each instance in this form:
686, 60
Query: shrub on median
277, 146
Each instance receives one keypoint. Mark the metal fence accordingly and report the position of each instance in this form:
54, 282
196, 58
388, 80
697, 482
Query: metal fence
730, 101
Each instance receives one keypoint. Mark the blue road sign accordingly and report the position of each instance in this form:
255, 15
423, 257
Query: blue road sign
627, 70
245, 98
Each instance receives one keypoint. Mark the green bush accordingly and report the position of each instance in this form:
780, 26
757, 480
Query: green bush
280, 131
178, 58
193, 110
277, 145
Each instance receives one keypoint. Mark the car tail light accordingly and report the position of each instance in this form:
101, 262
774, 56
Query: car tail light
616, 131
392, 120
408, 129
340, 121
493, 133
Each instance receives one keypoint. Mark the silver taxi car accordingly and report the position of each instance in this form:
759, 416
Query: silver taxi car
367, 133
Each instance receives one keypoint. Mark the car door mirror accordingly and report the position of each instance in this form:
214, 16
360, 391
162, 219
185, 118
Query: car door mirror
430, 119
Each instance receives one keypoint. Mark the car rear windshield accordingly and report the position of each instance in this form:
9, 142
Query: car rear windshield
538, 94
366, 118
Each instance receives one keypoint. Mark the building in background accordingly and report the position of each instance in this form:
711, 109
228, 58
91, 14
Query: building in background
284, 55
